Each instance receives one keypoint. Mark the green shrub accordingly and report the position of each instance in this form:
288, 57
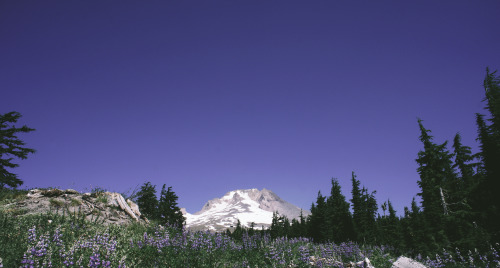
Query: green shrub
52, 193
56, 202
75, 202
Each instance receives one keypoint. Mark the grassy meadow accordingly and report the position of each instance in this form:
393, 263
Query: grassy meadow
52, 240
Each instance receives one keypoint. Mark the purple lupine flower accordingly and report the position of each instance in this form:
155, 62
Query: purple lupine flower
304, 254
32, 235
94, 260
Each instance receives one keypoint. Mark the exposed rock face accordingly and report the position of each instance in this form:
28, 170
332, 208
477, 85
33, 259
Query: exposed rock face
103, 207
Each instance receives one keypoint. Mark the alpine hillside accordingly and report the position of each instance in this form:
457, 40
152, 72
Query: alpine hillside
248, 206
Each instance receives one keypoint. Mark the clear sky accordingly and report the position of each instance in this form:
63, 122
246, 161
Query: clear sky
213, 96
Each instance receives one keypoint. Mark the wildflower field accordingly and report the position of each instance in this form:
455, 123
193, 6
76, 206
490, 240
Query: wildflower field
51, 240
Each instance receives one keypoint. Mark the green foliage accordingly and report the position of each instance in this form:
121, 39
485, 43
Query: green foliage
9, 195
364, 211
316, 223
389, 227
168, 210
280, 226
437, 177
52, 192
146, 200
97, 192
75, 202
330, 218
102, 199
488, 204
11, 146
56, 203
338, 217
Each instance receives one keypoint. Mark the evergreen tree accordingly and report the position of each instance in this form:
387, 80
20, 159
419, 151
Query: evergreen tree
364, 211
463, 162
389, 227
338, 218
437, 179
147, 202
357, 204
11, 146
489, 138
238, 232
316, 224
460, 221
276, 228
414, 230
168, 211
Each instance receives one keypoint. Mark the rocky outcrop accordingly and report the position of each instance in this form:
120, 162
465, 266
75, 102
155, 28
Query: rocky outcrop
104, 207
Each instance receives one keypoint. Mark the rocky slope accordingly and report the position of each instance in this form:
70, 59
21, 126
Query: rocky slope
248, 206
103, 207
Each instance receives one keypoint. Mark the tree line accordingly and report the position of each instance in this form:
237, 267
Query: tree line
459, 205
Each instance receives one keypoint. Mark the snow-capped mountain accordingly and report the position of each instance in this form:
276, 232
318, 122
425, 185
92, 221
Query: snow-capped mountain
248, 206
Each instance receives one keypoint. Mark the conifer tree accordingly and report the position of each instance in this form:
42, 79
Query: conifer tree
414, 230
437, 180
393, 231
356, 202
489, 138
147, 202
238, 231
168, 211
11, 146
463, 162
460, 227
276, 229
364, 211
338, 217
316, 224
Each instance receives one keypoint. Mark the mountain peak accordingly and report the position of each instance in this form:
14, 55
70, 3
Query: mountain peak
247, 205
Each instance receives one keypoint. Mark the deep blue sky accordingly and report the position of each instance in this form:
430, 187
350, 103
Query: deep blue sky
213, 96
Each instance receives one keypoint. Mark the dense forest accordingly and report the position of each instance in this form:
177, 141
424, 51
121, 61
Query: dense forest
459, 205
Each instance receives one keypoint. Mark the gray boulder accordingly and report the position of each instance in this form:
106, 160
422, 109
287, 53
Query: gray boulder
405, 262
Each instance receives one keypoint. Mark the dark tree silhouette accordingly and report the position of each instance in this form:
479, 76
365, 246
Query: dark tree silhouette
436, 177
168, 211
11, 146
489, 138
338, 216
147, 202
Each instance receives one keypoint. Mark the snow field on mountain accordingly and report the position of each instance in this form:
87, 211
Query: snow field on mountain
247, 206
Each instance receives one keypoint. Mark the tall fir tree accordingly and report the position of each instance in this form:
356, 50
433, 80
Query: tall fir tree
316, 223
388, 227
437, 180
357, 204
489, 138
464, 163
461, 230
168, 210
147, 201
364, 212
339, 227
415, 234
11, 146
